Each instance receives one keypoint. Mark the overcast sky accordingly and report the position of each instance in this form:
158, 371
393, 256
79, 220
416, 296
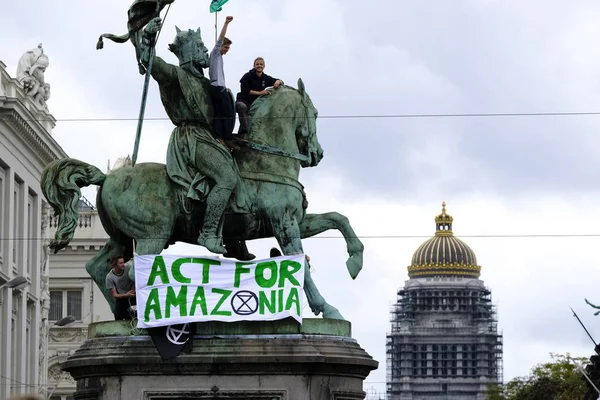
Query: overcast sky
499, 175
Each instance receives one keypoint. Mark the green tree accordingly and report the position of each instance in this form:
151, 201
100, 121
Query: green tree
558, 379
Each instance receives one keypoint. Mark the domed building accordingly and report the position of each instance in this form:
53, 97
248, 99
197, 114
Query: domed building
444, 341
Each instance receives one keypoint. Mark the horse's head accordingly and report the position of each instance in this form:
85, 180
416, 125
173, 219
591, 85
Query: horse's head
271, 125
306, 133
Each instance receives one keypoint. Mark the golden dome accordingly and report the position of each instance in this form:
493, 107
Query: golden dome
444, 254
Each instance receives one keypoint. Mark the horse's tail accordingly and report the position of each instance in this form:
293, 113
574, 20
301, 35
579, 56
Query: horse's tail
61, 181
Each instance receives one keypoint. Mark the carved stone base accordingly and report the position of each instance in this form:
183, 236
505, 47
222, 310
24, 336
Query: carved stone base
278, 360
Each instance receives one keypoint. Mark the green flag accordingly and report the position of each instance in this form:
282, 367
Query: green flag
215, 5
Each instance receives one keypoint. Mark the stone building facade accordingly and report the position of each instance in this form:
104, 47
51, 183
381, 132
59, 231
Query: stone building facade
26, 147
73, 293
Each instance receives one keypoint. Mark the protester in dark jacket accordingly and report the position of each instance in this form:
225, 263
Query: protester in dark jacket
253, 85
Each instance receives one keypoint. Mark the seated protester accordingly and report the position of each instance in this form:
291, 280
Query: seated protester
252, 85
121, 287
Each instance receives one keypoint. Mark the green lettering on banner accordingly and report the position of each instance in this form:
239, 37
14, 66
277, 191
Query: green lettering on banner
152, 305
240, 268
224, 295
176, 270
280, 300
174, 301
287, 269
159, 270
199, 298
293, 298
263, 301
259, 274
205, 267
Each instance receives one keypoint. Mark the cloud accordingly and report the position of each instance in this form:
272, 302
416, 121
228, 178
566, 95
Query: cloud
359, 60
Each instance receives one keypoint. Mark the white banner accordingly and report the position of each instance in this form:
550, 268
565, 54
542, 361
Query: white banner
172, 289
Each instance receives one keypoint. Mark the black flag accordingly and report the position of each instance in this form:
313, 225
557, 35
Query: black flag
171, 340
138, 15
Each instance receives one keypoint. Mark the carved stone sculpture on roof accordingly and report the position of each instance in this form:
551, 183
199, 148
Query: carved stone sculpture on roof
30, 73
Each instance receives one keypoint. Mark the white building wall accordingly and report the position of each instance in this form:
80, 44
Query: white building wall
26, 147
68, 274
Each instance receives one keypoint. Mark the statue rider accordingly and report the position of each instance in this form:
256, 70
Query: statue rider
194, 156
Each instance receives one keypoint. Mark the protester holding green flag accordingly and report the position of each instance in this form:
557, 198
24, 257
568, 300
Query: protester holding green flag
224, 113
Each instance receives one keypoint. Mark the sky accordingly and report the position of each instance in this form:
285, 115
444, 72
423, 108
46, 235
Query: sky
364, 63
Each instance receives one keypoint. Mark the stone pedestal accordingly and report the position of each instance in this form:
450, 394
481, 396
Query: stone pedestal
279, 360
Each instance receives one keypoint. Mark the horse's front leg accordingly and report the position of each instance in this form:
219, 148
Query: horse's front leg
313, 224
149, 246
287, 233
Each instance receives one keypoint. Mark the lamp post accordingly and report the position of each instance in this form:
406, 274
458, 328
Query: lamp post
16, 283
69, 319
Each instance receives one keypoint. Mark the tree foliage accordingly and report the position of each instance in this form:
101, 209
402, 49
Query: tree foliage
558, 379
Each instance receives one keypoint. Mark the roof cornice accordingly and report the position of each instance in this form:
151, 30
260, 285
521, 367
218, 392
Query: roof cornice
39, 140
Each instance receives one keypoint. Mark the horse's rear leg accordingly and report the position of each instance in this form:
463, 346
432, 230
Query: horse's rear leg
287, 233
99, 266
313, 224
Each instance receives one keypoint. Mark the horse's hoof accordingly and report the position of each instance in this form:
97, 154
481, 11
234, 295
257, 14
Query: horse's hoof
330, 312
354, 265
211, 244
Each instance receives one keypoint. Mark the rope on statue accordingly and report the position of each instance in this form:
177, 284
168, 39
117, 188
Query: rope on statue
132, 310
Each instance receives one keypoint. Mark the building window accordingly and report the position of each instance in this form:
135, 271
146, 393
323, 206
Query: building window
3, 210
16, 211
15, 348
65, 302
32, 234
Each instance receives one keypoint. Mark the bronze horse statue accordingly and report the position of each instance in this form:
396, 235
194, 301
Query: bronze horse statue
142, 204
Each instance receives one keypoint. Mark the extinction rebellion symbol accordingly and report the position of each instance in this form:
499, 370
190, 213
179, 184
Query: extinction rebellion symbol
244, 302
176, 332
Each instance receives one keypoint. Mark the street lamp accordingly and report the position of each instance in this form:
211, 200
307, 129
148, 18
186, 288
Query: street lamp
69, 319
16, 283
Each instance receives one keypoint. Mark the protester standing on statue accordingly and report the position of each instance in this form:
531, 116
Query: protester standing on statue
253, 84
224, 114
121, 288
